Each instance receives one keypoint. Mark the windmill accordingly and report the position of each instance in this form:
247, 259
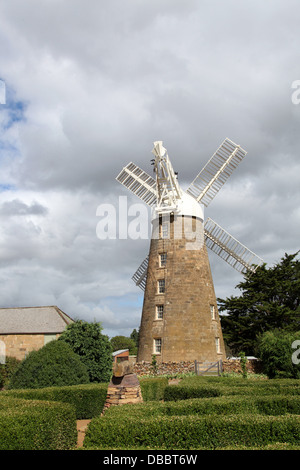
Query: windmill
180, 320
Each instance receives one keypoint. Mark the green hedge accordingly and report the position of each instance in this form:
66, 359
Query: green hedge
181, 392
195, 387
192, 432
87, 399
269, 405
153, 388
36, 425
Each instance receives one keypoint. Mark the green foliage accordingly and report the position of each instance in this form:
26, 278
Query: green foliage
153, 389
154, 364
36, 425
122, 342
270, 299
88, 399
191, 431
54, 364
92, 346
275, 350
135, 336
250, 414
243, 362
181, 392
272, 405
8, 369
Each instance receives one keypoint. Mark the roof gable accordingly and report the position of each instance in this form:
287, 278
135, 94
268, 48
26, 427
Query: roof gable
25, 320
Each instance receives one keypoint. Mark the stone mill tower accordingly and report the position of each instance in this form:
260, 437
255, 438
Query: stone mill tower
180, 320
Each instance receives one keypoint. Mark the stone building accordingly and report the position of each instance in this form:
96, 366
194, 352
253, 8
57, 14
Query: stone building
30, 328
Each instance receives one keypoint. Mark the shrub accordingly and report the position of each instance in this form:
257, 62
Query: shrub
274, 405
248, 387
54, 364
87, 399
153, 388
183, 392
191, 432
92, 346
36, 425
275, 350
8, 369
123, 342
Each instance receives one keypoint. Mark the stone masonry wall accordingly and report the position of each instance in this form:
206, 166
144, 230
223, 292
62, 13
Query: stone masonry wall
17, 345
173, 368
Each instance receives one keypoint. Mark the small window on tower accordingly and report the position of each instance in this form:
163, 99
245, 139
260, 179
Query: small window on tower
213, 312
159, 312
157, 346
218, 348
164, 230
161, 286
162, 260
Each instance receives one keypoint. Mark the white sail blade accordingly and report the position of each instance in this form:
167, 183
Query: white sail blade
215, 173
168, 189
230, 249
139, 182
140, 276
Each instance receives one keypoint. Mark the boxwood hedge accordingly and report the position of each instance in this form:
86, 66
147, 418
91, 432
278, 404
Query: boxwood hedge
87, 399
194, 387
36, 425
192, 431
153, 388
227, 405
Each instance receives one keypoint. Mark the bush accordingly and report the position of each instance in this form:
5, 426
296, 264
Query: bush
88, 400
54, 364
8, 369
92, 346
36, 425
275, 350
153, 388
182, 392
191, 432
228, 405
241, 387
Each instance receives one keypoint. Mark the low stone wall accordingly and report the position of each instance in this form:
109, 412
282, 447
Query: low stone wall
253, 366
164, 368
174, 368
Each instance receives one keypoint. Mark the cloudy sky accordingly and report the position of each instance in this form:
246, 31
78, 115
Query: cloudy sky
87, 87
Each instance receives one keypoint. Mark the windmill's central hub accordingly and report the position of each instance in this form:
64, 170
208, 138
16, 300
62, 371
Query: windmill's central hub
186, 206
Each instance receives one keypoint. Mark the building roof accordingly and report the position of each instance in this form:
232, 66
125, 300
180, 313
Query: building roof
120, 351
24, 320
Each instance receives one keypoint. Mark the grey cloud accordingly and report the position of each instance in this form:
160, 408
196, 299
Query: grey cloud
16, 207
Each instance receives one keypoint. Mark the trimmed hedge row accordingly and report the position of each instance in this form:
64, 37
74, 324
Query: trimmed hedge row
270, 405
36, 425
196, 387
180, 392
33, 419
87, 399
191, 432
153, 388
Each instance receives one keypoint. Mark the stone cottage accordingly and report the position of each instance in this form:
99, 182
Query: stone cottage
30, 328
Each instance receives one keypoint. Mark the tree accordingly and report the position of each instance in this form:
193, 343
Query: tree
122, 342
135, 336
275, 349
270, 300
92, 346
55, 364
